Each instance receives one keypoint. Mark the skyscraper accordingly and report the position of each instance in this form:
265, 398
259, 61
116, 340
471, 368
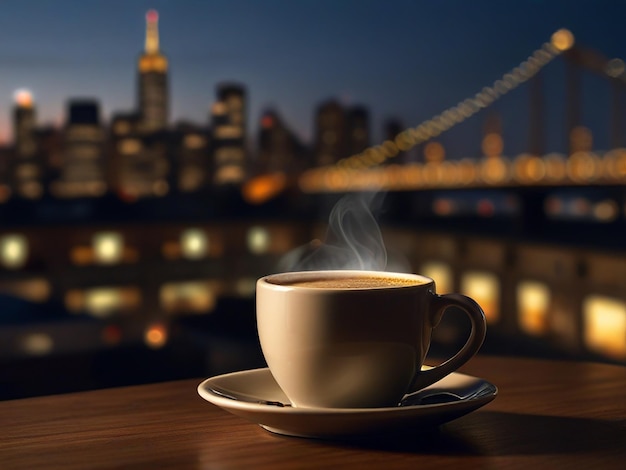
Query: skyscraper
330, 133
228, 122
82, 172
24, 124
26, 171
153, 89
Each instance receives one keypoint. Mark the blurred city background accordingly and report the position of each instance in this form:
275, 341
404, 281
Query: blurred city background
156, 158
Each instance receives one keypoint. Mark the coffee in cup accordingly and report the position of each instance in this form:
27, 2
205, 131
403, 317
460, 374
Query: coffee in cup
355, 339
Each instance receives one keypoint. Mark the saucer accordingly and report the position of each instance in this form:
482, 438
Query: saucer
255, 396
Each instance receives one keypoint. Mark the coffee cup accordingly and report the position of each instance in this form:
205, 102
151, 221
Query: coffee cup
355, 339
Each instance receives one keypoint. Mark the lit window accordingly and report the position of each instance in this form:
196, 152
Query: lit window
229, 174
103, 302
13, 251
533, 301
442, 275
484, 288
606, 211
228, 132
258, 240
189, 297
129, 146
160, 188
194, 244
37, 344
108, 247
245, 287
122, 127
33, 290
194, 141
605, 325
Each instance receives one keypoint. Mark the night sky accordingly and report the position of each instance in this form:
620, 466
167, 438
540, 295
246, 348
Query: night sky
408, 59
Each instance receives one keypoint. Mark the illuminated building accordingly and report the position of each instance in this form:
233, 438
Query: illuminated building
26, 171
24, 120
228, 124
330, 133
190, 163
124, 124
82, 172
142, 166
153, 88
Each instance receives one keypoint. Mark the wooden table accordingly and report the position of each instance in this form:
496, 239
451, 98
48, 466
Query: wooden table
548, 414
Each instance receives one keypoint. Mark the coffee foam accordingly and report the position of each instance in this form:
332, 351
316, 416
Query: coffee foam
365, 282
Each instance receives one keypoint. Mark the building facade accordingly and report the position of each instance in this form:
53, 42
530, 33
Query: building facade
153, 96
228, 124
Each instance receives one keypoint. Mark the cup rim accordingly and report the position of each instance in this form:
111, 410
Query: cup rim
277, 280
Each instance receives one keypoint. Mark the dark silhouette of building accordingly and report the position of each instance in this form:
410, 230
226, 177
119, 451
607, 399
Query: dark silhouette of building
279, 150
330, 133
358, 128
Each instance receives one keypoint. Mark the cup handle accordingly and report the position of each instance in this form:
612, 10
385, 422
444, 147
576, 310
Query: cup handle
476, 315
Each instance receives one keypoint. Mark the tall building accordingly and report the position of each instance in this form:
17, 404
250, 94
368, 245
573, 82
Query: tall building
330, 133
358, 127
82, 172
190, 160
26, 168
153, 99
24, 125
140, 165
278, 148
228, 123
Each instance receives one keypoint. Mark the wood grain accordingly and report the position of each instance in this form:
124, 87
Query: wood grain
548, 414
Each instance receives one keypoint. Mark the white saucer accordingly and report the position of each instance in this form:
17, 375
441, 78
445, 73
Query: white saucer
253, 395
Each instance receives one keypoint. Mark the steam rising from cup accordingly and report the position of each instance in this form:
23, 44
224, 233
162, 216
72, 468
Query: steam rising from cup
353, 240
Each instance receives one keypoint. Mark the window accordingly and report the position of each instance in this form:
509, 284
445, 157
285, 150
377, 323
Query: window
605, 325
108, 247
189, 296
194, 244
442, 275
533, 301
484, 288
33, 290
258, 240
13, 251
103, 302
36, 344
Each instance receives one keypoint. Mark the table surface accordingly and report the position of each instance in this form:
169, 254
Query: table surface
548, 414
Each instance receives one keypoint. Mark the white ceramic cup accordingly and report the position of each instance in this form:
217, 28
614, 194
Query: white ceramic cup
355, 346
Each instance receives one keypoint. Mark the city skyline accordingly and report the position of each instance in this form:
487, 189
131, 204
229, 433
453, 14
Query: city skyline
401, 59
